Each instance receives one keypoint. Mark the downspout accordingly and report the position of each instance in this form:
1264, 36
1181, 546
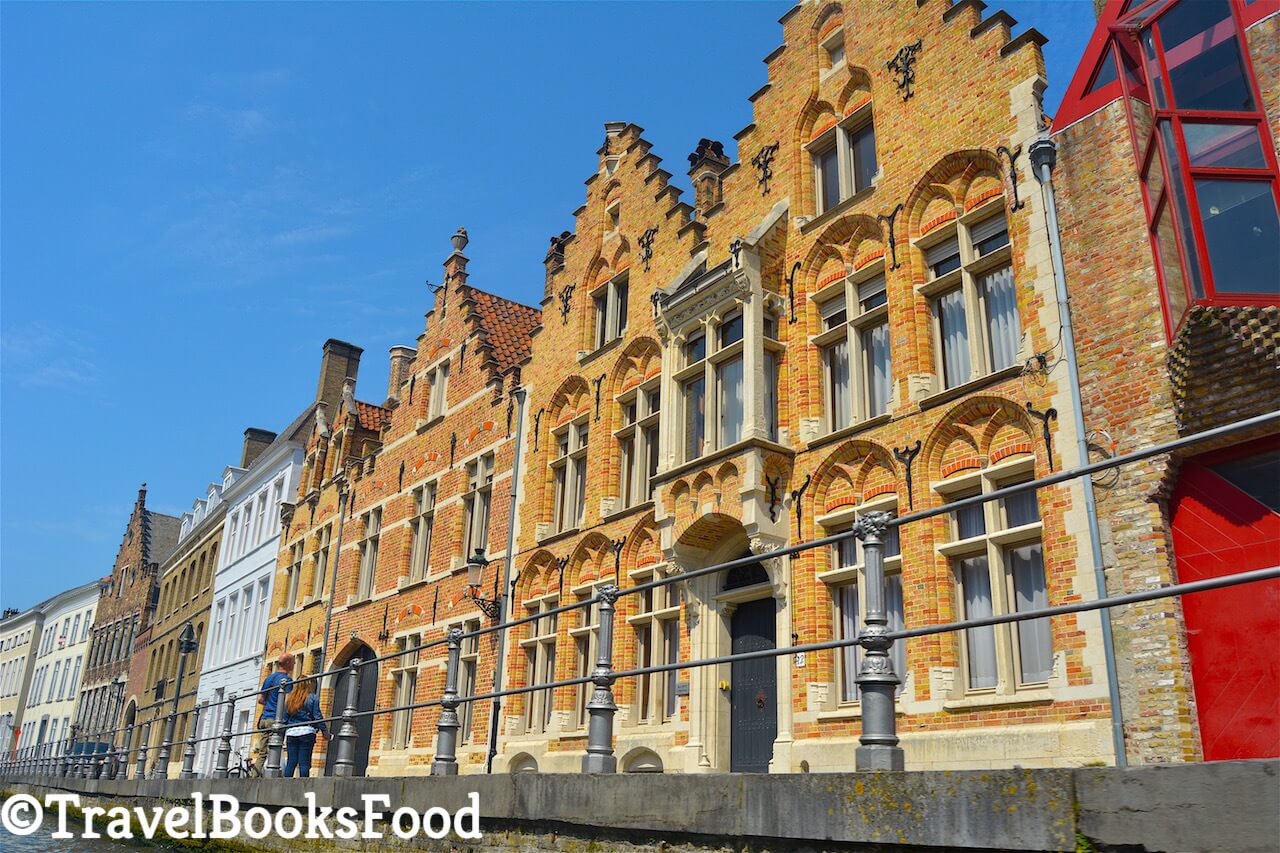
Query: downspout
1044, 155
505, 599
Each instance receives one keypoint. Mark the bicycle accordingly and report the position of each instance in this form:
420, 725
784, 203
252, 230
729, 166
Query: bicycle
243, 767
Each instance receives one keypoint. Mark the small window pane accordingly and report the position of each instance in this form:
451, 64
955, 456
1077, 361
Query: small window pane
1021, 509
944, 258
875, 343
1181, 207
862, 145
1223, 146
1106, 73
1035, 647
954, 333
1166, 246
833, 313
980, 643
1242, 233
970, 522
989, 235
1202, 53
871, 294
731, 331
836, 357
695, 349
1004, 331
828, 178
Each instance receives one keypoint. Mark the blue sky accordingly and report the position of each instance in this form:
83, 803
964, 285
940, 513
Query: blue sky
195, 196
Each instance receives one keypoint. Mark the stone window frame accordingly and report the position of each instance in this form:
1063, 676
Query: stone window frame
610, 310
540, 658
851, 331
570, 450
967, 278
993, 544
366, 580
663, 703
424, 498
293, 575
828, 46
438, 385
404, 675
839, 137
586, 644
710, 369
845, 575
468, 676
639, 440
320, 569
479, 494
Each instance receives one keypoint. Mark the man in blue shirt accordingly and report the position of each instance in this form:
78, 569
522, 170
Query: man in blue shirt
267, 699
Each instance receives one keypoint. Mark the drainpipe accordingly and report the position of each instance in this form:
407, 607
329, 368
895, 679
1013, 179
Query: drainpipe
505, 600
1044, 155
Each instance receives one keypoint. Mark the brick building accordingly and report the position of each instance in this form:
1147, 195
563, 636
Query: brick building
1167, 189
125, 611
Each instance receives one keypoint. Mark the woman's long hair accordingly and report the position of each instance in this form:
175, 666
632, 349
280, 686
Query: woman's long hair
298, 694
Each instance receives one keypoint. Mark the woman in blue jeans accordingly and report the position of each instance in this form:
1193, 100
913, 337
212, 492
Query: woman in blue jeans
303, 720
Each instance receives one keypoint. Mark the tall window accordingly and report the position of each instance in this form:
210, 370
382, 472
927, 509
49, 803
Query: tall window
693, 393
540, 657
638, 442
857, 371
260, 522
369, 553
295, 576
844, 158
772, 357
570, 471
657, 632
233, 538
476, 504
439, 379
1208, 163
720, 424
424, 512
977, 329
406, 679
998, 562
321, 569
585, 648
610, 302
469, 665
847, 579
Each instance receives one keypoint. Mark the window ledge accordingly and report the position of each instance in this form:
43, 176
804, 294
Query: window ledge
717, 455
844, 712
406, 584
845, 432
972, 385
556, 537
427, 423
828, 215
585, 358
1032, 696
623, 513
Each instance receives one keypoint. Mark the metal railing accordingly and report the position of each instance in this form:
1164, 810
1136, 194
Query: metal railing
96, 754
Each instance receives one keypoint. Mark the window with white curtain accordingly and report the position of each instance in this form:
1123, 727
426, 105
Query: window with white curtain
977, 328
638, 442
857, 371
998, 562
405, 675
847, 578
657, 640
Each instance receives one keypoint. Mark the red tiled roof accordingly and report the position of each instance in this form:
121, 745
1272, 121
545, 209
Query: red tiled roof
507, 326
371, 417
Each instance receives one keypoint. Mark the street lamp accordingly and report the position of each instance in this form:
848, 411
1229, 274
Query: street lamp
476, 564
186, 645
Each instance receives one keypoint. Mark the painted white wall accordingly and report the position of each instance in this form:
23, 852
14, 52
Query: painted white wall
233, 660
59, 668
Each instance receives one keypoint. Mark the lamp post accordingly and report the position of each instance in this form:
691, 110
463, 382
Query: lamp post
186, 645
476, 564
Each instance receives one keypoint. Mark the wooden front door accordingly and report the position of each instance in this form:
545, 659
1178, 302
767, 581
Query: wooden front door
753, 691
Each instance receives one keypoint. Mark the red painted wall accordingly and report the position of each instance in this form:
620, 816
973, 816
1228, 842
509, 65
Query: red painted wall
1233, 634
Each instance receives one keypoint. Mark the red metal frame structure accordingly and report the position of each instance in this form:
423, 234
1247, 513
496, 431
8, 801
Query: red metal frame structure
1201, 140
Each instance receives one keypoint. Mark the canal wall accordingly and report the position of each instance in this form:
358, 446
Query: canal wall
1218, 806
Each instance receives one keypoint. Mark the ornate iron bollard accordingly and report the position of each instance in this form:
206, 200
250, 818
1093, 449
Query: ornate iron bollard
220, 771
601, 708
344, 762
275, 740
189, 754
141, 772
446, 760
876, 680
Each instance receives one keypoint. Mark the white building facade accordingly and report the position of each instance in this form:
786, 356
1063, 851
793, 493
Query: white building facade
59, 664
242, 589
19, 634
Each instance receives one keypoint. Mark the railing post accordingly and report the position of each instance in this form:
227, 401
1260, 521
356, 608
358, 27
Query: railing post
109, 763
97, 762
189, 754
275, 740
601, 708
220, 770
160, 770
446, 761
141, 772
876, 680
65, 759
344, 762
122, 763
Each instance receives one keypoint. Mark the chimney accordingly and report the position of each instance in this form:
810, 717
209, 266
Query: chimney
706, 165
554, 261
455, 266
255, 441
401, 358
340, 361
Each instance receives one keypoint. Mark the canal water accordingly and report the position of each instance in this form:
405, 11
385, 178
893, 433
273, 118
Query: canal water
40, 842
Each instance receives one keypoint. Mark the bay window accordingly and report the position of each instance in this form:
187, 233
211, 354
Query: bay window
857, 371
998, 563
974, 300
570, 471
638, 442
1208, 163
844, 159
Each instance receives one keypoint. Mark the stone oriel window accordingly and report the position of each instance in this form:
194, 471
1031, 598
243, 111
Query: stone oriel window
857, 371
976, 325
998, 564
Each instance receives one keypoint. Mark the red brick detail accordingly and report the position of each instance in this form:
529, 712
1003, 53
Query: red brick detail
874, 255
938, 220
1011, 450
964, 463
981, 197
